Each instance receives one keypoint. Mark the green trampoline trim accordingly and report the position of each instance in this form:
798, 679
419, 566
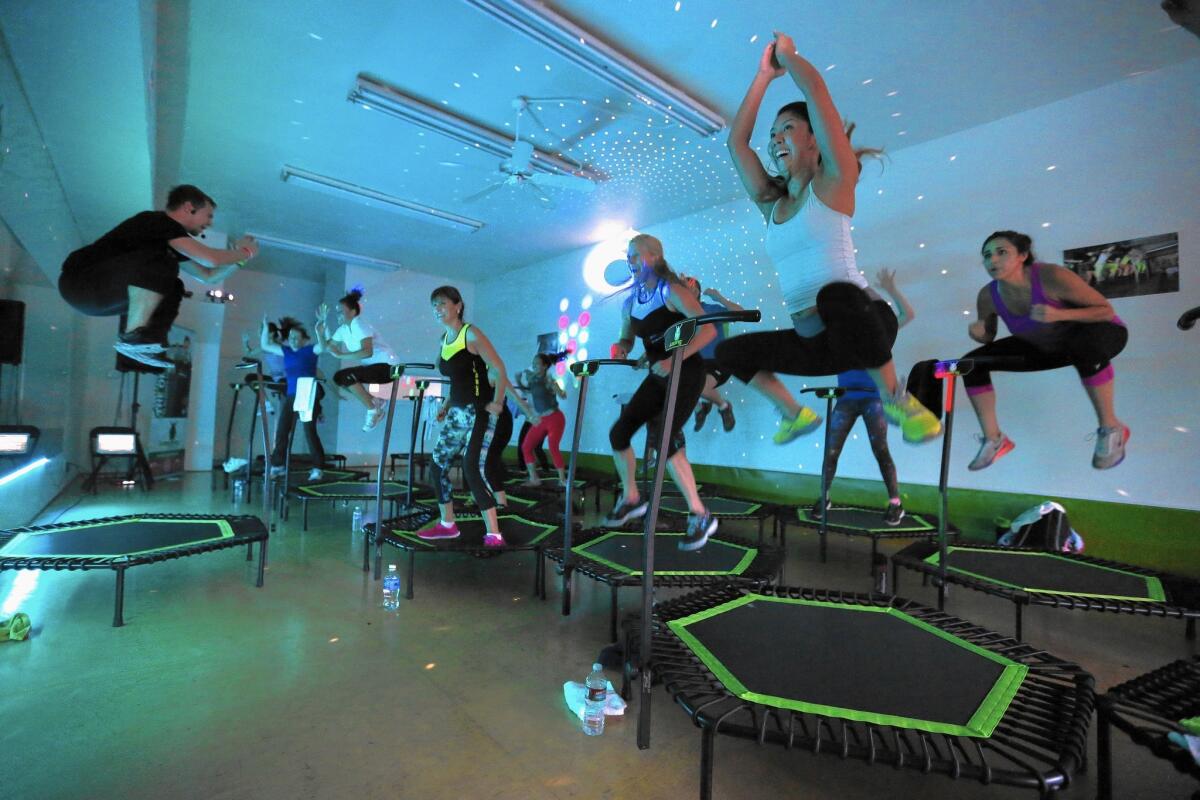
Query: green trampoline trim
982, 724
223, 526
312, 489
512, 498
411, 535
752, 508
803, 515
747, 557
1154, 588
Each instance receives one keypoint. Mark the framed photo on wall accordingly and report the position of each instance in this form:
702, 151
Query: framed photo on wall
1128, 268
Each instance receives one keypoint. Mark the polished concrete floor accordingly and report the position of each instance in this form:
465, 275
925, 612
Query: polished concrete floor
307, 688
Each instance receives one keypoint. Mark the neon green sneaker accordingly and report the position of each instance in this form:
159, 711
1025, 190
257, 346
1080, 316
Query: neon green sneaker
806, 421
916, 421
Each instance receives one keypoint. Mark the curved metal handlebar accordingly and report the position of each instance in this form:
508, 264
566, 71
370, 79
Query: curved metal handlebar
751, 315
1188, 319
963, 366
589, 367
416, 365
825, 392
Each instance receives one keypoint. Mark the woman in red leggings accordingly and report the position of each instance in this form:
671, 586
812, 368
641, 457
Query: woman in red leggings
549, 422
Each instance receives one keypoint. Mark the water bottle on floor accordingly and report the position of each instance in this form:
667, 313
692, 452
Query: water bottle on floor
356, 520
593, 704
391, 593
239, 491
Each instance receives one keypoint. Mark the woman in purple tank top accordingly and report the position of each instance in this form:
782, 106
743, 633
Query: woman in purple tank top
1056, 320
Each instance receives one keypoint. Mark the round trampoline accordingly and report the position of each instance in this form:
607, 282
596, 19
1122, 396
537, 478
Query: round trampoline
118, 543
1149, 708
392, 492
615, 558
1059, 580
519, 534
860, 521
823, 672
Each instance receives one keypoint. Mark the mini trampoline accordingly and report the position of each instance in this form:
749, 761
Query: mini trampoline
822, 671
519, 534
723, 508
860, 521
1148, 708
393, 492
118, 543
614, 557
645, 489
1059, 580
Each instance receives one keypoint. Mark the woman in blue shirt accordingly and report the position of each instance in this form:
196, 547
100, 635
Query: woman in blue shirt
300, 361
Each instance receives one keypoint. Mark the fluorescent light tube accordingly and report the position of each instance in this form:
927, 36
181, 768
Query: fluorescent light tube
370, 197
583, 49
267, 240
387, 99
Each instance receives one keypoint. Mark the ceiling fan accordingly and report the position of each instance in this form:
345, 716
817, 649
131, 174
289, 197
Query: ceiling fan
518, 171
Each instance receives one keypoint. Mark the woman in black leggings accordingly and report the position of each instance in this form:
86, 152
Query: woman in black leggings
355, 338
657, 300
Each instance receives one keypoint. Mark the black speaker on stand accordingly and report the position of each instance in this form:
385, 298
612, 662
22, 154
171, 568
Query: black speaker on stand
12, 339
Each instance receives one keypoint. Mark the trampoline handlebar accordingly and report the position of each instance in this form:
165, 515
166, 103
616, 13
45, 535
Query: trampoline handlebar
825, 392
417, 365
963, 366
717, 317
590, 367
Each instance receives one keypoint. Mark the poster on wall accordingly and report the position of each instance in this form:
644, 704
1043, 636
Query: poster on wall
1129, 268
165, 442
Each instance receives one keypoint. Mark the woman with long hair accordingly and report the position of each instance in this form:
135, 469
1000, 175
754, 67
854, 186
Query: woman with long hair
469, 418
838, 323
357, 339
1056, 320
300, 361
547, 418
657, 300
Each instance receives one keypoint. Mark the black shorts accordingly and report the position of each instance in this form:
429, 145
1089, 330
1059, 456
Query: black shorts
713, 367
102, 290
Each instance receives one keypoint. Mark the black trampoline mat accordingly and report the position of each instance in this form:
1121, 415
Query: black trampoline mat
513, 499
350, 490
518, 532
669, 489
864, 663
549, 484
622, 551
1049, 572
717, 506
125, 538
866, 520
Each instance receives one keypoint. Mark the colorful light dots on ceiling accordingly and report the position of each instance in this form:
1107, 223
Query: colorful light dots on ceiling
587, 303
563, 322
564, 304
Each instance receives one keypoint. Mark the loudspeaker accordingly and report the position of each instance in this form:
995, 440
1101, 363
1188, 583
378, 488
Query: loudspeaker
12, 331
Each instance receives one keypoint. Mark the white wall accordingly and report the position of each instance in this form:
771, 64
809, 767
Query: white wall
1126, 159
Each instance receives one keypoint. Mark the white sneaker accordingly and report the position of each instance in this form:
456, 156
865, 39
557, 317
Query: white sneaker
374, 414
315, 475
1110, 446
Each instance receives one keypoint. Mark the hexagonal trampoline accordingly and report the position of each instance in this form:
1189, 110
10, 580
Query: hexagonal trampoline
393, 493
1059, 580
860, 521
723, 508
118, 543
615, 558
819, 671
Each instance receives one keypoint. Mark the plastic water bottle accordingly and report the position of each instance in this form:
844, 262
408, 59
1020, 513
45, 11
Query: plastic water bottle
239, 491
593, 703
391, 594
356, 520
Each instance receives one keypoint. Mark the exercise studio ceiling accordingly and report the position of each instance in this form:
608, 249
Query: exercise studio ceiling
127, 98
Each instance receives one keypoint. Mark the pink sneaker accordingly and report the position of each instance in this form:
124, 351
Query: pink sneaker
493, 540
438, 530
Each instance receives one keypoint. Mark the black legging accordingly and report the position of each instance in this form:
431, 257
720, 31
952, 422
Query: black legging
859, 333
102, 290
539, 453
287, 418
845, 412
649, 401
494, 464
1086, 346
363, 373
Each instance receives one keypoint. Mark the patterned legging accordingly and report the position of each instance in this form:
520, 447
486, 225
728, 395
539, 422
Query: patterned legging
847, 410
466, 427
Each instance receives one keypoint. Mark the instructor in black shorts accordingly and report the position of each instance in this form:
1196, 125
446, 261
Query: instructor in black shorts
134, 270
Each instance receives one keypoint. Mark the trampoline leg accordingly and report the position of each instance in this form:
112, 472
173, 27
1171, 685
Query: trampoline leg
119, 606
895, 578
566, 591
412, 570
304, 507
874, 554
706, 762
1103, 758
1189, 630
537, 569
627, 663
1019, 620
612, 615
250, 551
262, 562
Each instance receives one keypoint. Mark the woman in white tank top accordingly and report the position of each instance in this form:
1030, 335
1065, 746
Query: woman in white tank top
837, 325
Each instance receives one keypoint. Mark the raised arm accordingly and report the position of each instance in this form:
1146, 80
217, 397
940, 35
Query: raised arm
210, 265
837, 156
1087, 305
264, 340
983, 329
759, 186
478, 344
887, 281
715, 294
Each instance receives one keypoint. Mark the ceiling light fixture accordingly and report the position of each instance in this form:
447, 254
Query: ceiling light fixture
600, 60
387, 99
278, 243
370, 197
